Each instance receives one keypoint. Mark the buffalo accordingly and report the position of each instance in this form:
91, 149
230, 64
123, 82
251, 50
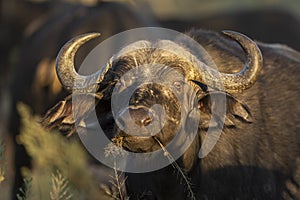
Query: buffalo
257, 153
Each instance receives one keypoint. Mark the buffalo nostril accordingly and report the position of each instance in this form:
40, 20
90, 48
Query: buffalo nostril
141, 116
146, 121
132, 116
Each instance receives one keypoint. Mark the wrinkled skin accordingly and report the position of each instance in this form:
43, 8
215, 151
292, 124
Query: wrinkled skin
257, 154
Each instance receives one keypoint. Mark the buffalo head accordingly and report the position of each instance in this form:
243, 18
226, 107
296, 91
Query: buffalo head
157, 110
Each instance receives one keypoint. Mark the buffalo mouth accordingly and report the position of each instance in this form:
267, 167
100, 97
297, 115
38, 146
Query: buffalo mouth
137, 144
131, 143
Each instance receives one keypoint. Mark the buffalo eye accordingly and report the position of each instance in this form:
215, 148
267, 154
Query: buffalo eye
178, 84
118, 84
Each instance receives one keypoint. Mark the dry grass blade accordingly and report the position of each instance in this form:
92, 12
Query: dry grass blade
114, 149
176, 166
117, 181
117, 188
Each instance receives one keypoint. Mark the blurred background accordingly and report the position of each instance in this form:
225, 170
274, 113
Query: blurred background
33, 31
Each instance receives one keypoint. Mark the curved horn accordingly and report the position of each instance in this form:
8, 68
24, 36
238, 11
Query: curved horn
248, 75
65, 68
242, 80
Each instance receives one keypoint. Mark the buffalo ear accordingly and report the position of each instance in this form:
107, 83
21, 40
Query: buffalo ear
58, 113
236, 111
239, 109
65, 113
60, 116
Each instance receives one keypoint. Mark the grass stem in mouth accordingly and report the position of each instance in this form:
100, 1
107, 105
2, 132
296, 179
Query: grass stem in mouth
115, 148
177, 167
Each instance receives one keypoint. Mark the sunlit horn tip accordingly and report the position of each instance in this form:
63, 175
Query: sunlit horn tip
234, 35
230, 32
88, 36
81, 39
65, 60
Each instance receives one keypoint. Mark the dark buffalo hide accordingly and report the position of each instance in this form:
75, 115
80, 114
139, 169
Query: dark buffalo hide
257, 154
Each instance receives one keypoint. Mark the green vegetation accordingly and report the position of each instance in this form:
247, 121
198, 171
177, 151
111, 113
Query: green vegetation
60, 187
60, 168
2, 162
25, 192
